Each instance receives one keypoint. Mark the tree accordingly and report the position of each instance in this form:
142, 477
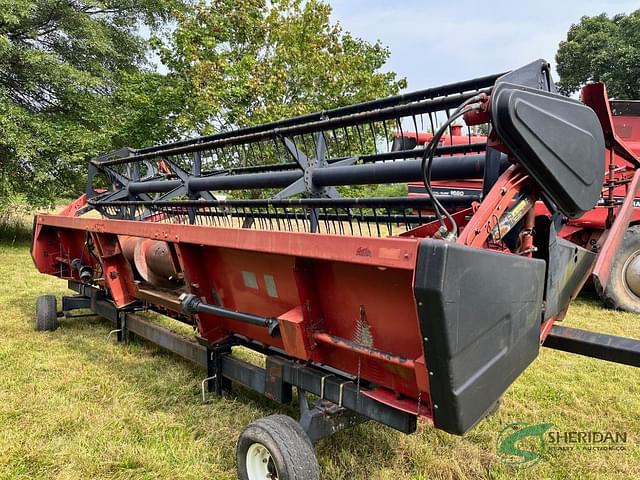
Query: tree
268, 60
602, 49
75, 82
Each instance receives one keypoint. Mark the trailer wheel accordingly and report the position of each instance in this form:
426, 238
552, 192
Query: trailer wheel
46, 313
623, 290
276, 448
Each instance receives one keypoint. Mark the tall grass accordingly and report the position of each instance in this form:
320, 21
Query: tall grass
16, 222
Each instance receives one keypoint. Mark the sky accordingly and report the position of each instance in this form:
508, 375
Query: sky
437, 42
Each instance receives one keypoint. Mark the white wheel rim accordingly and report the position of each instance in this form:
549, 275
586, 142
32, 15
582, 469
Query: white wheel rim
260, 464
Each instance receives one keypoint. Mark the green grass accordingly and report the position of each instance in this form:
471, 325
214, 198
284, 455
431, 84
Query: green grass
74, 405
15, 223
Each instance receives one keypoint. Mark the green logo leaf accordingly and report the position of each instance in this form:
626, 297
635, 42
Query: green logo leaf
510, 438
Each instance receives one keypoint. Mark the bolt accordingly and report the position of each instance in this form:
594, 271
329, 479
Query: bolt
113, 274
431, 374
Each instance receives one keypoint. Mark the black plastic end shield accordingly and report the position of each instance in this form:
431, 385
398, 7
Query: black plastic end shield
536, 74
558, 140
480, 317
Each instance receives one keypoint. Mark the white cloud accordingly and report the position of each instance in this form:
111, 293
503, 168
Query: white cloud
434, 42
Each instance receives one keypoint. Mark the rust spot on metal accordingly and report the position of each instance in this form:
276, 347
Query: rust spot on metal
344, 344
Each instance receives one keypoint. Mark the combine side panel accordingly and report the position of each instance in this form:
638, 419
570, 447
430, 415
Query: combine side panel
480, 318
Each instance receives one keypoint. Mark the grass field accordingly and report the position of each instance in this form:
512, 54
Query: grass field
74, 405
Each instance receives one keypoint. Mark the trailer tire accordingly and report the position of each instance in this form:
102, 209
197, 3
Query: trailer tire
46, 313
623, 290
277, 446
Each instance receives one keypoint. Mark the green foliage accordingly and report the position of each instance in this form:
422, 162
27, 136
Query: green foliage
15, 225
74, 82
383, 190
602, 49
269, 60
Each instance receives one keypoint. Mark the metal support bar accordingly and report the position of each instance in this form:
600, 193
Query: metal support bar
275, 387
283, 373
312, 379
217, 383
97, 302
596, 345
346, 393
443, 168
122, 333
75, 302
325, 418
375, 202
443, 150
173, 342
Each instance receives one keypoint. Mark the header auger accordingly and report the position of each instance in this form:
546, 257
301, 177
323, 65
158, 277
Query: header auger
386, 308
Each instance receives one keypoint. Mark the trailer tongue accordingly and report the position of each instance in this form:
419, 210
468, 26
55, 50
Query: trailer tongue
383, 311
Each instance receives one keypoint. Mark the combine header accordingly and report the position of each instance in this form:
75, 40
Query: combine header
377, 308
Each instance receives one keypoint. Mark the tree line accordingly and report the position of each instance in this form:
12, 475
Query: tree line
80, 77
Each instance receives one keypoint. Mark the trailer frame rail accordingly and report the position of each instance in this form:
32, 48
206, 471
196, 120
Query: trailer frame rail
342, 401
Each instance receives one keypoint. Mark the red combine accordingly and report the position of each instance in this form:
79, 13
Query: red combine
386, 309
621, 121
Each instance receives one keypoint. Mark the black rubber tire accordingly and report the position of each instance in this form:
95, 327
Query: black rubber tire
287, 443
46, 314
617, 295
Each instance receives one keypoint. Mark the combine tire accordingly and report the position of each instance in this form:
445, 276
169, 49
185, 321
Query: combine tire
46, 313
623, 291
276, 448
